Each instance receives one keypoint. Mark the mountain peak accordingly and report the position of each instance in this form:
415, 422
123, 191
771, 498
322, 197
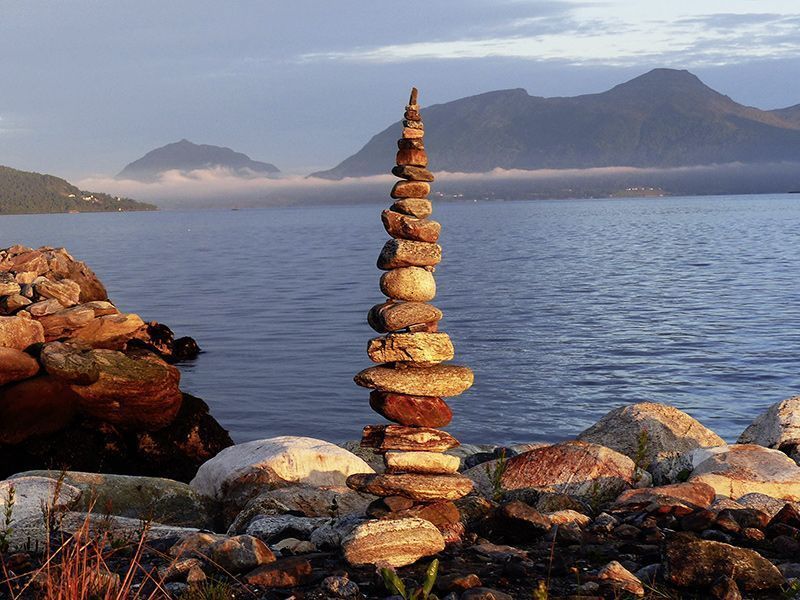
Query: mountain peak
185, 156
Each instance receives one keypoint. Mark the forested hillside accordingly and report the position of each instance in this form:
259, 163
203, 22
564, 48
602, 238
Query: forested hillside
23, 192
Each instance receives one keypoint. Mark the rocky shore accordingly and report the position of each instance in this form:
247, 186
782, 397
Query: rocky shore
119, 485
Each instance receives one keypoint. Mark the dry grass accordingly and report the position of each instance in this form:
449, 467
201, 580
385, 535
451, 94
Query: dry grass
78, 569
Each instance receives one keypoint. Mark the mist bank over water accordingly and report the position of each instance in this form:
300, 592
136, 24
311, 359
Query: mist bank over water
219, 188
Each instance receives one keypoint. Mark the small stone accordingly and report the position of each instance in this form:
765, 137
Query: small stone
395, 316
412, 133
45, 307
445, 515
15, 365
439, 380
458, 583
195, 544
412, 114
178, 569
71, 362
8, 285
409, 283
412, 411
429, 348
295, 546
340, 587
413, 123
410, 144
413, 173
285, 573
482, 593
398, 253
566, 516
392, 543
420, 462
11, 304
19, 332
195, 576
241, 553
521, 521
416, 207
412, 439
619, 579
418, 487
410, 189
692, 496
406, 227
66, 291
412, 156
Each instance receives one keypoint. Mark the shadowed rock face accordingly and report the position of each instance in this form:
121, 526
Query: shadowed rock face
174, 452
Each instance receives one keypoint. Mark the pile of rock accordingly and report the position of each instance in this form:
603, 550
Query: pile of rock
85, 386
419, 481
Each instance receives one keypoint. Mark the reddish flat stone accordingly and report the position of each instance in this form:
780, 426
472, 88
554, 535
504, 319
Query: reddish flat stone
412, 156
395, 316
405, 227
421, 488
410, 189
397, 437
413, 411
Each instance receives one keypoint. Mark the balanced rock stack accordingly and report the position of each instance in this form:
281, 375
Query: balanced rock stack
420, 482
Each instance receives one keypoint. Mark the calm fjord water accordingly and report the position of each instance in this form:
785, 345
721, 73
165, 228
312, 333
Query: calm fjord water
564, 309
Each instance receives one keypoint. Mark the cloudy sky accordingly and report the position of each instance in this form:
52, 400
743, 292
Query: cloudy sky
87, 86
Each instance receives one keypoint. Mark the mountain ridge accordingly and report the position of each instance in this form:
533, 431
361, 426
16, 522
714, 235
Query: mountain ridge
185, 156
663, 118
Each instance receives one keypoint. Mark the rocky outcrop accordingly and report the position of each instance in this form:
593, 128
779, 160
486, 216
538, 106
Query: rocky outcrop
778, 427
741, 469
574, 468
648, 432
86, 387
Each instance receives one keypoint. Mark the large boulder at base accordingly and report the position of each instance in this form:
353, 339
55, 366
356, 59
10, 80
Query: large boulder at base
19, 332
136, 390
146, 498
392, 543
648, 432
30, 495
575, 468
305, 500
174, 452
240, 472
34, 407
16, 365
777, 427
694, 563
741, 469
32, 532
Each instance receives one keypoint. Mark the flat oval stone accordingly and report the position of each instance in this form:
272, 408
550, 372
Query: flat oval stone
416, 207
413, 123
413, 411
412, 156
411, 347
410, 144
405, 227
409, 283
416, 486
394, 316
412, 173
420, 462
439, 380
409, 253
412, 439
412, 133
410, 189
392, 543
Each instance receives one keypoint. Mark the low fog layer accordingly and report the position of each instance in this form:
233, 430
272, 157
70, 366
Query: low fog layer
220, 188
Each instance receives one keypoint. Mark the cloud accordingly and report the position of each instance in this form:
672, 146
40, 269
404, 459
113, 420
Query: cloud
220, 188
609, 33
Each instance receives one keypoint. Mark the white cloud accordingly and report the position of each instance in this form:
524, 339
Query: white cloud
619, 33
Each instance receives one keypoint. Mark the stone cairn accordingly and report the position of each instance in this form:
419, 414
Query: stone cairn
408, 385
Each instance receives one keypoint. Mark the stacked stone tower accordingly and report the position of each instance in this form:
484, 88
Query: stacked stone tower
411, 380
